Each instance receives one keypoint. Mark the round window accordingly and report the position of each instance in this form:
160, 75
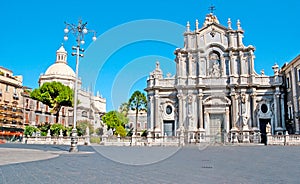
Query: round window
264, 108
168, 109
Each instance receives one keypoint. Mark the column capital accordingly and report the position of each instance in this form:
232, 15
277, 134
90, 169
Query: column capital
253, 95
200, 96
180, 96
232, 94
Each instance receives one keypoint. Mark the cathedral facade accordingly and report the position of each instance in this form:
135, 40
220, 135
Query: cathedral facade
215, 95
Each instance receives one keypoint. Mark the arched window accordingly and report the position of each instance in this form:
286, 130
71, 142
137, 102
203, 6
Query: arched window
84, 114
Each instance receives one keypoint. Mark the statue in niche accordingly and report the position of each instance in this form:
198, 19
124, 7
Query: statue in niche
245, 118
216, 70
215, 65
243, 101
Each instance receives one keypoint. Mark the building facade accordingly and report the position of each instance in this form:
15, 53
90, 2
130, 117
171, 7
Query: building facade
141, 123
90, 107
216, 95
11, 111
291, 73
36, 113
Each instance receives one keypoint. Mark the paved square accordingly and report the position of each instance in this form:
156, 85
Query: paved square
220, 164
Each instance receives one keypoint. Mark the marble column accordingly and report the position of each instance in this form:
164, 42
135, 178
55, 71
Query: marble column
180, 109
227, 124
294, 85
200, 111
227, 120
206, 120
253, 112
190, 62
282, 111
279, 125
277, 117
151, 113
157, 124
234, 111
223, 65
234, 130
232, 62
242, 63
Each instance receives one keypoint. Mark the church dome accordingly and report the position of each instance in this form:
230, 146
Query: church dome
60, 68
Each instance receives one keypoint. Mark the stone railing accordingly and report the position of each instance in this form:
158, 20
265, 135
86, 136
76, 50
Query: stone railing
82, 140
264, 80
115, 141
283, 139
139, 141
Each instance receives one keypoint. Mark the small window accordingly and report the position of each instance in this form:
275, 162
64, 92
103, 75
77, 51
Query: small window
298, 75
264, 108
37, 118
287, 82
84, 114
7, 88
169, 109
290, 112
37, 105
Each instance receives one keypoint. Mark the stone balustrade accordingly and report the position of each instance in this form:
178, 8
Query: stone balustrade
82, 140
139, 141
284, 139
164, 140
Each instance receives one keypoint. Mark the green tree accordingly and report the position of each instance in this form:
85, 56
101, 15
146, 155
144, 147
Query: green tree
137, 102
55, 95
29, 130
114, 120
81, 127
55, 129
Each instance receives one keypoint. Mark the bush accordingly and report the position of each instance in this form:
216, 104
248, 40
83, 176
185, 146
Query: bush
81, 127
29, 130
55, 129
95, 140
44, 128
120, 130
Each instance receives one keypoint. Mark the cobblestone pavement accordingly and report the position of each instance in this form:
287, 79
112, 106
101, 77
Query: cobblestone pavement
220, 164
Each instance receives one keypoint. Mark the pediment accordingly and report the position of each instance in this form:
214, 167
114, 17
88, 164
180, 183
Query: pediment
217, 27
217, 101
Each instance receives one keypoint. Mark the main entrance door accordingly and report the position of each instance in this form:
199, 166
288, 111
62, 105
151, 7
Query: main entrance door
262, 126
169, 128
216, 125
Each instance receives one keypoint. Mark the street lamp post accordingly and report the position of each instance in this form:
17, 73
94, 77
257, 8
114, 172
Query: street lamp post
78, 31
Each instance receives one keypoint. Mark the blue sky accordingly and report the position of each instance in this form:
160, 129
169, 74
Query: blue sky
32, 31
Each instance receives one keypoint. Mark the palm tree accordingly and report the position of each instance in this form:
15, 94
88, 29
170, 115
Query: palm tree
124, 107
137, 102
